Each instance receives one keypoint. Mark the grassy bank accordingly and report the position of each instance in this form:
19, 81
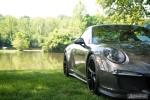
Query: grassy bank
15, 51
8, 51
42, 85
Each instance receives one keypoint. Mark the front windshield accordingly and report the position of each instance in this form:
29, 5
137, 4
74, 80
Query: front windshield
119, 33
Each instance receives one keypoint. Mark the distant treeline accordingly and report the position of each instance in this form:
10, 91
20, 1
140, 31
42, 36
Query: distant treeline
52, 34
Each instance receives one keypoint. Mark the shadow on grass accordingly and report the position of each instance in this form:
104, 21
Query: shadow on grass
45, 84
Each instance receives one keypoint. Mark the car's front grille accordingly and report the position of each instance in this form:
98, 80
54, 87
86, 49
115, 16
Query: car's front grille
133, 84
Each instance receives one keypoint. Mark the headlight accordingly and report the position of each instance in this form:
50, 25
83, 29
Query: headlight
114, 55
126, 73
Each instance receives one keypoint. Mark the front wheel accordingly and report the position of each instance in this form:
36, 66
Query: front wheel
65, 66
92, 75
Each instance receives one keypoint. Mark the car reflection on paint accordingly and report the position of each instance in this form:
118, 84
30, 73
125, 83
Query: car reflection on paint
112, 59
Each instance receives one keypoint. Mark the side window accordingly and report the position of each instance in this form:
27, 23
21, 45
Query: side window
104, 34
87, 36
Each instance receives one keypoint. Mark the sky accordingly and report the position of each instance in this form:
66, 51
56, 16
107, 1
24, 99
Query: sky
43, 8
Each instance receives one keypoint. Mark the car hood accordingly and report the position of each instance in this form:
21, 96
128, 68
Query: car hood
138, 54
135, 51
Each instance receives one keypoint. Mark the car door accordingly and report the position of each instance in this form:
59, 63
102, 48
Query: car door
80, 54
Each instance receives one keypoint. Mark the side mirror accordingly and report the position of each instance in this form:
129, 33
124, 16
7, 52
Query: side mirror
79, 41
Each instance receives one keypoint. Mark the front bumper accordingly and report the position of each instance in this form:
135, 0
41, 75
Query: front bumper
122, 86
129, 95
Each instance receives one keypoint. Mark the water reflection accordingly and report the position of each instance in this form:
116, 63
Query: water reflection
30, 60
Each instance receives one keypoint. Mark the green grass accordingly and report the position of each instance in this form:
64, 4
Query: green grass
43, 85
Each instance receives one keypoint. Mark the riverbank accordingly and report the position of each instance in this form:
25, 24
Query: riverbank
28, 50
16, 51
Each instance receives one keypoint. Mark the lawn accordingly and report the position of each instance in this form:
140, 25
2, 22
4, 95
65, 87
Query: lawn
42, 85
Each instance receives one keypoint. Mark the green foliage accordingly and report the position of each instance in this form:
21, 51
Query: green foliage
126, 11
42, 32
68, 28
95, 20
78, 19
21, 41
57, 41
7, 29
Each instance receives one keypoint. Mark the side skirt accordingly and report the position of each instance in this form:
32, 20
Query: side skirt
76, 76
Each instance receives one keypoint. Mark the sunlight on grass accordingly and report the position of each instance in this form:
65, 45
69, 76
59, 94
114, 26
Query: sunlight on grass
43, 84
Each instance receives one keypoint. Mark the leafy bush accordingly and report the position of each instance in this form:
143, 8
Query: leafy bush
21, 41
56, 42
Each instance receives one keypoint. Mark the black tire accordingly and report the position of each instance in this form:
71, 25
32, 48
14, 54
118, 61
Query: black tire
65, 66
92, 80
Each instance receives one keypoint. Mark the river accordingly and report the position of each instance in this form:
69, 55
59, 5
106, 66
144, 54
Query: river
30, 60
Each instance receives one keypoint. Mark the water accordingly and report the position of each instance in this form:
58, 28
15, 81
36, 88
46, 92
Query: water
30, 60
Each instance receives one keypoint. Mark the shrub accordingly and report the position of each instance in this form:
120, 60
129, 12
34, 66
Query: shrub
21, 41
56, 42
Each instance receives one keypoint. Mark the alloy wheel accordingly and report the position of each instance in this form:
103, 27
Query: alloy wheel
91, 76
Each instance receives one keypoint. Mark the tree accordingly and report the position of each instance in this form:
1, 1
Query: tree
24, 24
7, 29
95, 20
78, 19
57, 41
21, 41
126, 11
1, 39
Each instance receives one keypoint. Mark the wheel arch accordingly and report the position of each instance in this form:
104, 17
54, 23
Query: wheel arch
88, 56
65, 65
68, 58
65, 55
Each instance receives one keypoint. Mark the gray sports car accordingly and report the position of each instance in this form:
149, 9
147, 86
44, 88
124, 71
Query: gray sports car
112, 59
